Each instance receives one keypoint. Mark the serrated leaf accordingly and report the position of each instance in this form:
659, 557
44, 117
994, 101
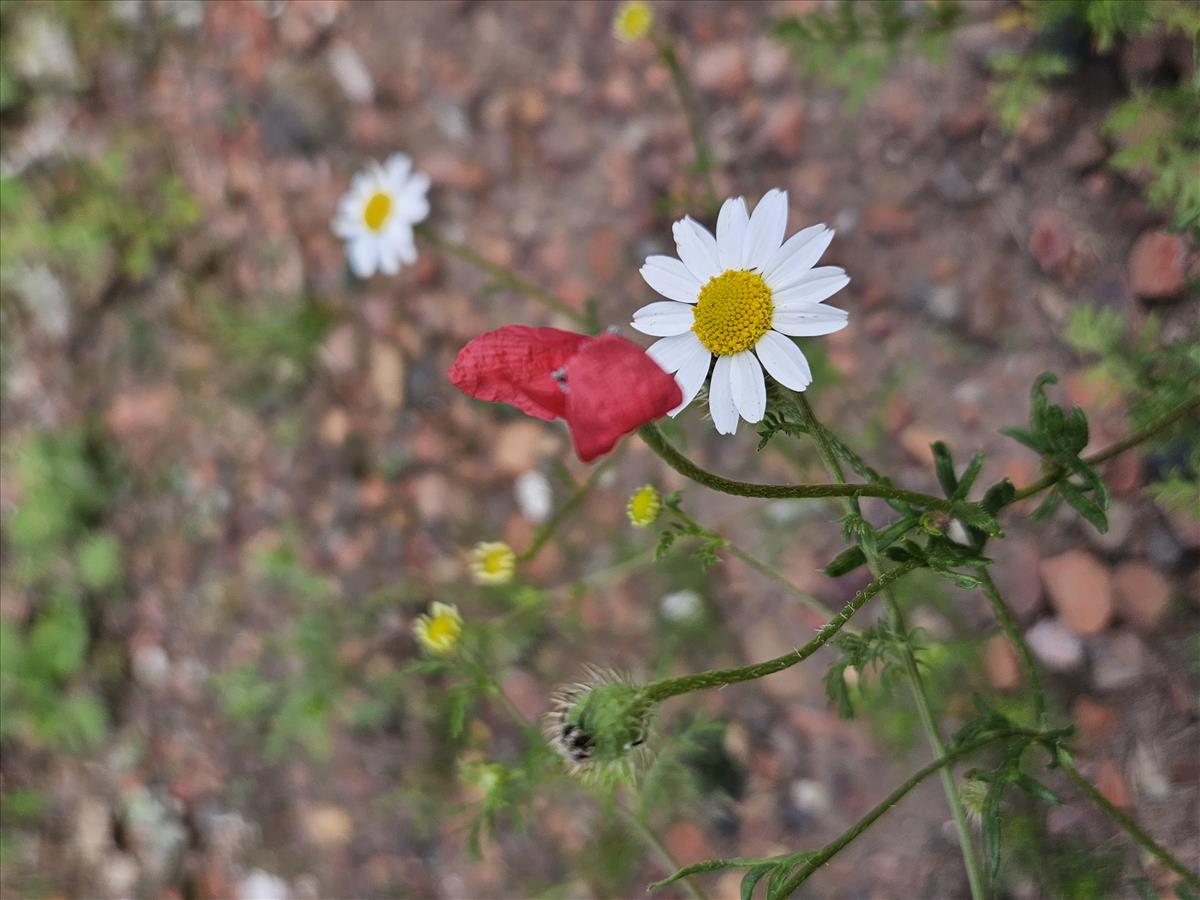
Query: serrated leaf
978, 517
990, 821
718, 865
970, 473
1084, 505
751, 879
1036, 789
943, 466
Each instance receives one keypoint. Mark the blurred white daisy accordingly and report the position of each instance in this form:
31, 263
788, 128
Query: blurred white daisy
376, 216
740, 296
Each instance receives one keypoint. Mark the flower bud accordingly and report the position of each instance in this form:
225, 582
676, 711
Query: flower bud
599, 724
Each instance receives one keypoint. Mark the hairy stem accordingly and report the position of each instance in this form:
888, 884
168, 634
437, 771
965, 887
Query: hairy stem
662, 689
1130, 441
825, 445
704, 161
941, 764
658, 442
502, 275
1008, 625
1127, 824
568, 507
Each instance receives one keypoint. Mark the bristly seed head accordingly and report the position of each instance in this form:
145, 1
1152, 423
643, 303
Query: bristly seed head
598, 725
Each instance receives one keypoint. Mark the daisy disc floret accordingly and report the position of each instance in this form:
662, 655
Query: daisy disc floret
739, 297
493, 562
376, 216
633, 21
438, 630
644, 506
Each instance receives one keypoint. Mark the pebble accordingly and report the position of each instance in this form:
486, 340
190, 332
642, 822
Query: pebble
1143, 595
1158, 265
1050, 241
1080, 590
1001, 664
1086, 151
1016, 575
519, 446
1056, 646
534, 496
328, 826
261, 885
721, 69
1095, 720
387, 375
350, 73
1117, 660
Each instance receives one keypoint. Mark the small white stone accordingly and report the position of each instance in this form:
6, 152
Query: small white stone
680, 606
351, 73
535, 497
260, 885
1055, 645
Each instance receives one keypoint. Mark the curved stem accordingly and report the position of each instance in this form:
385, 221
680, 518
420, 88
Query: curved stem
940, 764
1128, 825
758, 565
660, 690
825, 445
658, 442
546, 531
502, 275
1130, 441
1008, 624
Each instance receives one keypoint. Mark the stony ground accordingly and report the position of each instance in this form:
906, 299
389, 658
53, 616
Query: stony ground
551, 149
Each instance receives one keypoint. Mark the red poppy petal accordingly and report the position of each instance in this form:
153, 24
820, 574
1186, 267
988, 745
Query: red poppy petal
514, 365
613, 387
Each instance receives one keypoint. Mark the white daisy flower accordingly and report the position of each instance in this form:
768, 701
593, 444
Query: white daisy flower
376, 216
740, 296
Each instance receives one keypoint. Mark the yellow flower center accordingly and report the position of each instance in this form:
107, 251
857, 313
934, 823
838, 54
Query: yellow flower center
443, 630
644, 506
496, 561
377, 209
633, 21
733, 312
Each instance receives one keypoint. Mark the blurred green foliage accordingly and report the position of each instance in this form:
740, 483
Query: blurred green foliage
66, 565
852, 45
1155, 376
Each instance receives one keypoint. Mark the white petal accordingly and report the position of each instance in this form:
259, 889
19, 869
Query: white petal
812, 289
685, 356
797, 240
347, 226
671, 278
364, 256
411, 203
783, 361
749, 388
407, 251
764, 233
672, 352
810, 320
664, 318
798, 264
731, 231
697, 248
691, 376
398, 166
389, 258
720, 396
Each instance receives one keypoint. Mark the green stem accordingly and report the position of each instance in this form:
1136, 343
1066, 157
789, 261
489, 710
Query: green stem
825, 444
1008, 625
1128, 825
759, 566
704, 161
660, 690
563, 512
657, 442
941, 764
503, 276
1130, 441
